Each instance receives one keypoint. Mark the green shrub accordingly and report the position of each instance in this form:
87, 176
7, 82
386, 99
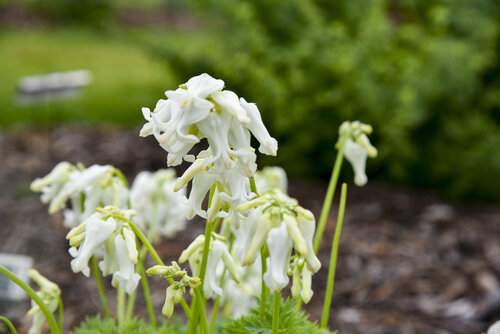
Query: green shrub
425, 74
91, 12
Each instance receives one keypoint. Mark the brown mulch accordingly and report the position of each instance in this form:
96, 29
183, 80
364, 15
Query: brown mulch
409, 262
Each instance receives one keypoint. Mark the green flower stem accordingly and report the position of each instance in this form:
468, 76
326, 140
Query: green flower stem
9, 324
147, 294
201, 311
46, 312
60, 313
198, 302
264, 290
253, 186
158, 261
333, 258
130, 305
276, 311
100, 287
206, 249
215, 308
140, 267
120, 306
327, 204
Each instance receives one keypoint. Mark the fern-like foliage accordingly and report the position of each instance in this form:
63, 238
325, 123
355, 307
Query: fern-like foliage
96, 325
291, 321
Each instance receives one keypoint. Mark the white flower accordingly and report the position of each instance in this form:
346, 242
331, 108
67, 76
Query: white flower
107, 233
217, 252
96, 232
494, 329
279, 244
126, 278
152, 196
357, 148
49, 292
268, 145
357, 156
239, 298
87, 189
201, 109
270, 178
52, 184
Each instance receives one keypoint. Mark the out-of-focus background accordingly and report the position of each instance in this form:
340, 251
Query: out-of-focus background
419, 253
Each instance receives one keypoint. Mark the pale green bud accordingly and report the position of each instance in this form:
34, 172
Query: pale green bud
76, 240
259, 238
256, 202
294, 232
129, 237
76, 230
192, 248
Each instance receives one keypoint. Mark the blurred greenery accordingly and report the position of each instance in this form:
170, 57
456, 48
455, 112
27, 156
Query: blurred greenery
425, 74
125, 78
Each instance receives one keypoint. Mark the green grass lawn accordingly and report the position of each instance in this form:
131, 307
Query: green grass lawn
126, 78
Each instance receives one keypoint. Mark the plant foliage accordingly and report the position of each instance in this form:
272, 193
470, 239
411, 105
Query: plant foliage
291, 321
96, 325
425, 74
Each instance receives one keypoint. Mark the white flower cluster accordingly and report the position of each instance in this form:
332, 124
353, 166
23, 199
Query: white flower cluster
202, 109
107, 232
218, 252
357, 148
158, 207
86, 189
49, 292
277, 221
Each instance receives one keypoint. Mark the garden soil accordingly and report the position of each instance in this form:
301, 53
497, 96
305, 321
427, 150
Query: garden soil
409, 262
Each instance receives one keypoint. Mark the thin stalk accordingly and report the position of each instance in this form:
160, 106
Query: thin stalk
140, 267
333, 258
276, 311
100, 287
158, 261
147, 294
9, 324
263, 290
46, 312
202, 312
60, 313
253, 186
215, 308
120, 307
131, 305
327, 204
206, 249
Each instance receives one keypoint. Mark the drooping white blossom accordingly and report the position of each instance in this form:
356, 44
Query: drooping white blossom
86, 189
279, 222
158, 206
106, 234
218, 253
201, 109
49, 292
357, 148
279, 244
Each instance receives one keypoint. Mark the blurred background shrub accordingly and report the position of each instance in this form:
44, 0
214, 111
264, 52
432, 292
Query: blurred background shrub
425, 74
